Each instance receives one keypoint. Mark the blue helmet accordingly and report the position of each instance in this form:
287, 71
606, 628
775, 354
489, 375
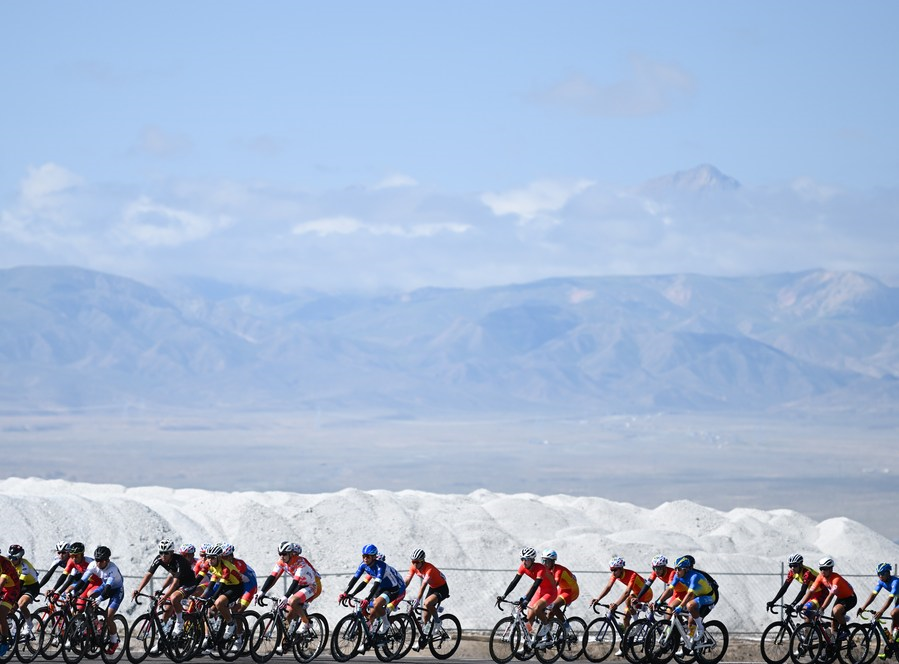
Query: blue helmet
369, 550
683, 562
884, 568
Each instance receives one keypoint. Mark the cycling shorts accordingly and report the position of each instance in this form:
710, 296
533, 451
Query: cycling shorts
308, 593
704, 600
394, 595
233, 593
114, 595
549, 597
249, 592
846, 602
33, 590
567, 596
441, 593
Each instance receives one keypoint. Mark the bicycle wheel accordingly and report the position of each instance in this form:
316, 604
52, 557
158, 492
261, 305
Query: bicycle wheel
599, 639
853, 648
76, 640
410, 634
548, 648
309, 644
665, 642
806, 644
504, 640
389, 645
713, 645
52, 636
445, 637
191, 639
635, 641
11, 641
112, 652
571, 638
28, 645
775, 643
231, 648
140, 639
871, 635
265, 636
347, 636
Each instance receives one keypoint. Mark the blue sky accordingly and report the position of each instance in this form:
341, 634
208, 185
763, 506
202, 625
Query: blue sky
383, 145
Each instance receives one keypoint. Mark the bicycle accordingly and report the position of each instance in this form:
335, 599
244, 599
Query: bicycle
353, 635
511, 638
11, 640
53, 625
149, 630
775, 642
272, 631
442, 634
570, 635
671, 638
871, 636
814, 643
206, 631
602, 633
86, 635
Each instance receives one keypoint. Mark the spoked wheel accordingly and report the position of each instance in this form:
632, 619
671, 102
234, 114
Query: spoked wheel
53, 633
28, 645
346, 639
389, 645
713, 646
775, 643
853, 648
665, 642
76, 640
410, 632
231, 648
504, 640
806, 644
637, 647
548, 649
265, 636
599, 639
307, 645
571, 638
867, 636
445, 637
11, 641
113, 652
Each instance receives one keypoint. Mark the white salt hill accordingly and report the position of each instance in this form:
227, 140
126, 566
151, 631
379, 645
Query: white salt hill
474, 538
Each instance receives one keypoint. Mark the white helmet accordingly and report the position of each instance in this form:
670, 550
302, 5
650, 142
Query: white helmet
825, 562
549, 554
660, 561
166, 546
529, 552
616, 562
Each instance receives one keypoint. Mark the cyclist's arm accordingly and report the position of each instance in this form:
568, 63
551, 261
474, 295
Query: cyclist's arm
512, 585
143, 582
605, 591
643, 590
799, 595
48, 574
375, 587
533, 588
269, 582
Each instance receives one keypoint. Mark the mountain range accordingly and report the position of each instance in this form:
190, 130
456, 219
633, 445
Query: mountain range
810, 342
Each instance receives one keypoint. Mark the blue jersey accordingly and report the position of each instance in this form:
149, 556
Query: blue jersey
891, 585
382, 573
694, 581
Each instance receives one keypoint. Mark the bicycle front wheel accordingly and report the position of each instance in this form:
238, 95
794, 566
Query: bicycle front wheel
76, 640
871, 635
504, 640
806, 644
636, 646
713, 645
11, 642
52, 637
548, 648
853, 648
265, 637
599, 639
665, 642
775, 643
346, 639
390, 644
309, 644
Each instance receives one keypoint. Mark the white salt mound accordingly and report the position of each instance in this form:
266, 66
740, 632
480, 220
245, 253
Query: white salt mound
474, 538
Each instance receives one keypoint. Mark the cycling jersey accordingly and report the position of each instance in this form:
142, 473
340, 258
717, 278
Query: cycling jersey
178, 567
27, 573
9, 570
382, 573
305, 574
835, 585
536, 571
110, 576
225, 572
891, 585
636, 583
429, 575
288, 567
693, 581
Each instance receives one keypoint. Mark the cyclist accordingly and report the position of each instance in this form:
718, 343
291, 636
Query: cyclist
223, 581
388, 587
542, 591
10, 589
660, 570
567, 589
31, 588
886, 581
305, 586
838, 589
76, 566
112, 588
181, 575
699, 597
438, 590
634, 585
802, 573
62, 557
247, 573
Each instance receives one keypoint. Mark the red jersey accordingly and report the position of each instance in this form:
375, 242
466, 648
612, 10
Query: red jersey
429, 574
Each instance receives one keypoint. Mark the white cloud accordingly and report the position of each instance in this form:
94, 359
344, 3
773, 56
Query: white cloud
653, 87
395, 181
350, 226
534, 200
153, 224
39, 188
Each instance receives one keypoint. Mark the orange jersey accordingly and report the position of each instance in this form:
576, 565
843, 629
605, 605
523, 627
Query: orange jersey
836, 585
9, 570
538, 571
564, 578
429, 575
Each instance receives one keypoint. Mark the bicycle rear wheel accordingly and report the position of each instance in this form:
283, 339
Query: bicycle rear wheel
599, 639
636, 646
504, 640
309, 644
109, 651
77, 639
548, 648
445, 637
347, 636
571, 638
390, 644
713, 646
28, 645
12, 641
806, 644
853, 648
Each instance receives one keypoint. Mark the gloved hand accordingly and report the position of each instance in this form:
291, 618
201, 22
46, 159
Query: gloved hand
769, 605
522, 601
678, 609
364, 604
342, 597
260, 598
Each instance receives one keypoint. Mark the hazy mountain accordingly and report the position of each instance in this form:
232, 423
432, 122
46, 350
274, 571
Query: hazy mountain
72, 338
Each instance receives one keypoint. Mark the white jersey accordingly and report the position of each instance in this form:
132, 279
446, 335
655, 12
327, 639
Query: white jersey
110, 577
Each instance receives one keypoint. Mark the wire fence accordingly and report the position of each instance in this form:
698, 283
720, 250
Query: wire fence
473, 594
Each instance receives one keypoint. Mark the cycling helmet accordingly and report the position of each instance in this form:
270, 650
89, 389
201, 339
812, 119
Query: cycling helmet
214, 550
418, 554
549, 554
62, 546
683, 562
297, 549
796, 559
102, 553
660, 561
187, 549
166, 546
369, 550
616, 563
884, 568
529, 553
227, 549
285, 547
16, 552
204, 549
825, 563
691, 559
76, 548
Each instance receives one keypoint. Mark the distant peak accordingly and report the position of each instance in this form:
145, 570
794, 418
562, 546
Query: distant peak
702, 178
